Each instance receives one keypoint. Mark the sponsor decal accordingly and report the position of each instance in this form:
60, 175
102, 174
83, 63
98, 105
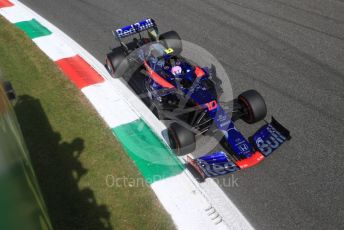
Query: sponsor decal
134, 28
211, 105
211, 169
169, 50
216, 164
273, 140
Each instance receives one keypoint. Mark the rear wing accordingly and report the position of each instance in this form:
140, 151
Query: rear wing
135, 28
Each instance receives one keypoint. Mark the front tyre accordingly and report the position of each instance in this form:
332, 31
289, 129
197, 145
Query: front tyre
253, 106
182, 140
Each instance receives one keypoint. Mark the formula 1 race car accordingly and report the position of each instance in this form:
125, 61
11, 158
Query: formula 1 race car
186, 97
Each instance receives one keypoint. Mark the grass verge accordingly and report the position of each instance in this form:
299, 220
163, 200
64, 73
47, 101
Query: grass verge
75, 156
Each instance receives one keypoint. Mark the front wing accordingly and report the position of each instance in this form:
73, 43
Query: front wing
265, 141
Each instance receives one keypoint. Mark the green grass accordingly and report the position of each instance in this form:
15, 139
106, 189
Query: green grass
71, 148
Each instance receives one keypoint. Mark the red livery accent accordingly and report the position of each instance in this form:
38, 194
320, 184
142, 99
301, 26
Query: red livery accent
199, 72
251, 161
5, 3
79, 71
212, 105
157, 78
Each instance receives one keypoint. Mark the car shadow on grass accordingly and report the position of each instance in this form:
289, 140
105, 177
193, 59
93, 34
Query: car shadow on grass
58, 169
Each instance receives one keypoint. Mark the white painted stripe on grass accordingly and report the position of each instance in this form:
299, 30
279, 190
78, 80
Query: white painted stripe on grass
109, 104
16, 14
54, 47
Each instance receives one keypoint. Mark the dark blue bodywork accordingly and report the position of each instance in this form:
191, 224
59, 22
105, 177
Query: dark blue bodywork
246, 153
160, 64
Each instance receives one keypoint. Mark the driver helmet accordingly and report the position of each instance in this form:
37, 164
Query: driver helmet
176, 70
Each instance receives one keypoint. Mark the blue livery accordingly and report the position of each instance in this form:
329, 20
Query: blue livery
187, 95
135, 28
268, 138
216, 164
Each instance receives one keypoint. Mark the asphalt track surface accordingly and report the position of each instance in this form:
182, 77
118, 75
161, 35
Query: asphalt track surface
290, 51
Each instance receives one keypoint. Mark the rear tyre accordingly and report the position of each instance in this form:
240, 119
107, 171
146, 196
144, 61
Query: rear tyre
253, 105
182, 140
171, 39
116, 60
